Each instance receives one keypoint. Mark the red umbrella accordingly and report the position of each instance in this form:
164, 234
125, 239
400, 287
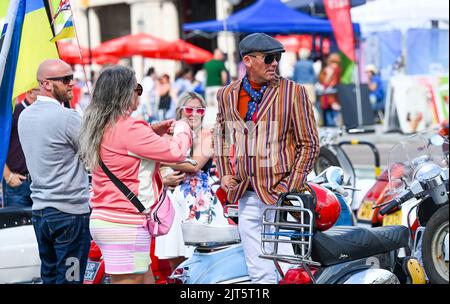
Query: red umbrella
70, 53
188, 53
137, 44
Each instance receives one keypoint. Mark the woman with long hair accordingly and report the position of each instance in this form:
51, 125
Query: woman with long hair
132, 150
193, 198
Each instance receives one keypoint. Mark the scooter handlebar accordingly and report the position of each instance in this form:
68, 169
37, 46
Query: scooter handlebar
389, 207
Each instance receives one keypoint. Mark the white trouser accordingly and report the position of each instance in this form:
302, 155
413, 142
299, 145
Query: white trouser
261, 271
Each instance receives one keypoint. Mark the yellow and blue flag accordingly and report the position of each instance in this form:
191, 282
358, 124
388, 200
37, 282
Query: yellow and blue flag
68, 31
24, 44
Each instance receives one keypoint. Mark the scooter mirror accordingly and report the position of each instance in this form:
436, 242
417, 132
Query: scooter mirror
335, 175
437, 140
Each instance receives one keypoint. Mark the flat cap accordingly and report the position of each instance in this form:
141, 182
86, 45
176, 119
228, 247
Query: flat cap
259, 42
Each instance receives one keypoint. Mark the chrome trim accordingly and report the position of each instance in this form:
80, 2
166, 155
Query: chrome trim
240, 280
373, 276
274, 230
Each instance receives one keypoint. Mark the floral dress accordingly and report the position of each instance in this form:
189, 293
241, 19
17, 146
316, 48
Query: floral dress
194, 200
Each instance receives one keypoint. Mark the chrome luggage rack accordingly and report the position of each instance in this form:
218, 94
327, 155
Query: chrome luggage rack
297, 231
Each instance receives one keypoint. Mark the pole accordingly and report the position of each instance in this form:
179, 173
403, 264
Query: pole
358, 88
225, 29
358, 96
89, 42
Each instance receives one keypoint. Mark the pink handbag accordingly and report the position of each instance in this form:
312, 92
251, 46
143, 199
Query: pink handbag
160, 219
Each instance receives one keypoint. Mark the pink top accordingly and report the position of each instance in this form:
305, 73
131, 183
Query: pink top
132, 151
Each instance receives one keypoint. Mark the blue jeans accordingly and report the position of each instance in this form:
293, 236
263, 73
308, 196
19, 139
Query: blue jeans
18, 196
64, 242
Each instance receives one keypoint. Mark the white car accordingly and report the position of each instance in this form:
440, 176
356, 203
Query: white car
19, 255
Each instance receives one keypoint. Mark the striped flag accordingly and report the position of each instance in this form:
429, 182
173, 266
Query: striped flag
24, 45
68, 31
64, 5
9, 55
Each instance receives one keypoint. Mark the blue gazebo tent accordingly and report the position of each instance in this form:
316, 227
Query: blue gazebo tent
268, 16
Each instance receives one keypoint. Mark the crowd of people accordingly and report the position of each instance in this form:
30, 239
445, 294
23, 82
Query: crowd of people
140, 132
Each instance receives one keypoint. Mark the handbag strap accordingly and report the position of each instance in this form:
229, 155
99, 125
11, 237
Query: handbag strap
123, 188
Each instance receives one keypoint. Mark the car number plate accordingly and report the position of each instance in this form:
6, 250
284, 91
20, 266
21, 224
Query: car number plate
393, 219
91, 270
365, 212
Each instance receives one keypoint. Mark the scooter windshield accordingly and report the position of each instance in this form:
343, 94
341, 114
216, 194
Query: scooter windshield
410, 154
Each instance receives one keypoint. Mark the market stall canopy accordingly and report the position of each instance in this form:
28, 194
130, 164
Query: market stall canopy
268, 16
293, 43
385, 15
141, 44
188, 53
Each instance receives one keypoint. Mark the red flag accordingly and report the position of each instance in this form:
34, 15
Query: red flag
338, 12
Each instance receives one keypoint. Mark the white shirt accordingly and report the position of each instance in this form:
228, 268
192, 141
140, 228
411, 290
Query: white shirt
46, 98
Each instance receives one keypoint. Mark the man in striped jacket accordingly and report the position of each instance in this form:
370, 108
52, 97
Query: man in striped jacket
266, 123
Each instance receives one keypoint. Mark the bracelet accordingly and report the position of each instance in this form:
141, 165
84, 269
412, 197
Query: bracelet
10, 178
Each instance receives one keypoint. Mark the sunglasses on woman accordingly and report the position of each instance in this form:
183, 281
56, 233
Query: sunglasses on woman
269, 58
64, 79
139, 89
191, 110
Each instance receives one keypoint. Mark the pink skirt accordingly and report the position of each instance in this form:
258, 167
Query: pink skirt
125, 248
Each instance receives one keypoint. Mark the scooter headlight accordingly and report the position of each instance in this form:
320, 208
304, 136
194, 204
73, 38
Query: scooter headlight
427, 171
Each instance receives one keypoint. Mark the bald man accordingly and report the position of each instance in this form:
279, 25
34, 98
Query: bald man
48, 133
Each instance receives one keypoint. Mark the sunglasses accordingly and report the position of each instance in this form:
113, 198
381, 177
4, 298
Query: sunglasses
190, 111
269, 58
139, 89
64, 79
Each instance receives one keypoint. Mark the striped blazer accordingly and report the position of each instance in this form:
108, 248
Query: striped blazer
277, 151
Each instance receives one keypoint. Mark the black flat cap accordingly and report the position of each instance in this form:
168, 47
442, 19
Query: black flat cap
259, 42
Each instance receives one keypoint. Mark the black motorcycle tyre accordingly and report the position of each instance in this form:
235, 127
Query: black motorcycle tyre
437, 220
325, 155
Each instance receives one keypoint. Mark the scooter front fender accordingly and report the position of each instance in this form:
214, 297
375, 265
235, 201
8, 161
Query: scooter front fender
222, 266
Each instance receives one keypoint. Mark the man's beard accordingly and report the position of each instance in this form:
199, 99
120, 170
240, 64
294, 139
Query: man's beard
61, 96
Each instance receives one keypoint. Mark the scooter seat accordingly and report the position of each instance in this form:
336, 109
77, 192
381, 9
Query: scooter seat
14, 217
197, 234
342, 244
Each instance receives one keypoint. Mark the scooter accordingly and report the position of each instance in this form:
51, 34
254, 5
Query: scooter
422, 186
19, 253
332, 154
340, 255
219, 257
368, 216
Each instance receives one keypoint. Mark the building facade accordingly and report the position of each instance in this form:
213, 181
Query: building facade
101, 20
